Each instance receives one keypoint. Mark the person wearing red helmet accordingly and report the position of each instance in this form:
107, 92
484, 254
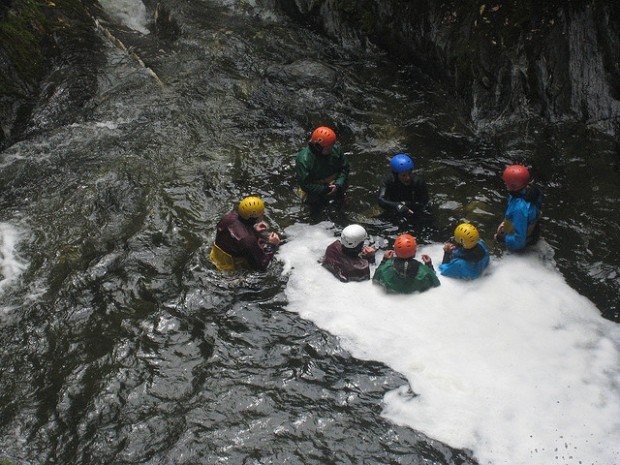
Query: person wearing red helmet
521, 226
322, 169
400, 272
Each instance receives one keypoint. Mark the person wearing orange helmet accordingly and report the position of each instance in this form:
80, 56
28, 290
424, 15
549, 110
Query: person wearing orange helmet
243, 239
400, 272
322, 169
521, 226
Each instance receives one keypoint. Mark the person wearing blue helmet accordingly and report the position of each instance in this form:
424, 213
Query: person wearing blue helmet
403, 192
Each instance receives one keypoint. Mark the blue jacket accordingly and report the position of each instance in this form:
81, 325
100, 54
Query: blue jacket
465, 264
521, 218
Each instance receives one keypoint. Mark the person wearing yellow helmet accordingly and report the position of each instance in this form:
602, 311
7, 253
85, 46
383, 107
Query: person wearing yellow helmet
242, 238
322, 169
465, 256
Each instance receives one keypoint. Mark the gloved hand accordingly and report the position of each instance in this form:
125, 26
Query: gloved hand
403, 209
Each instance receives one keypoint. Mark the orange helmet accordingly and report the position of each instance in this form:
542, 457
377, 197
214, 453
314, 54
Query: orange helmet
405, 246
323, 136
516, 177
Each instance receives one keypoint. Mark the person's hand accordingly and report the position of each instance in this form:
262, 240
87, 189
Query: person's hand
426, 259
448, 246
273, 238
388, 254
261, 226
499, 235
368, 251
333, 188
403, 209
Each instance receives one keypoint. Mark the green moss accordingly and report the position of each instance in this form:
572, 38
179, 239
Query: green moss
22, 30
26, 31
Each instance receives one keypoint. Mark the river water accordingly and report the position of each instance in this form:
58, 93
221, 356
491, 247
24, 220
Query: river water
120, 344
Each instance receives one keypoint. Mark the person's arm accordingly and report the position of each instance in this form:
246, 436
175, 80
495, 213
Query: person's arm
420, 195
457, 268
258, 257
448, 251
302, 169
426, 259
387, 204
343, 175
516, 239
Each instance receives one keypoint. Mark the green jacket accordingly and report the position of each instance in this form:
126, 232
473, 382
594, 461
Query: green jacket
386, 275
314, 172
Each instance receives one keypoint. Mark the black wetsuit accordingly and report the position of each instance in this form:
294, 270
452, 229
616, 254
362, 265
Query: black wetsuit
396, 197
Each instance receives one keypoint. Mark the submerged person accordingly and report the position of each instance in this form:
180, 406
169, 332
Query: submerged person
521, 225
466, 256
348, 258
322, 169
403, 192
242, 238
400, 272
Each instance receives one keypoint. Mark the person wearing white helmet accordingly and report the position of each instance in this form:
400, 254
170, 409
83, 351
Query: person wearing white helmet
348, 258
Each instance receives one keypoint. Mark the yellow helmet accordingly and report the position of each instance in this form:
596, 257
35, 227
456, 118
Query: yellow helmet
467, 235
251, 207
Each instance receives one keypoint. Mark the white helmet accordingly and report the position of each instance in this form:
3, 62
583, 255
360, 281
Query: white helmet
352, 236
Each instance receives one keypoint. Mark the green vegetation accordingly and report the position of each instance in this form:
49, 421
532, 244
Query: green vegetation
28, 31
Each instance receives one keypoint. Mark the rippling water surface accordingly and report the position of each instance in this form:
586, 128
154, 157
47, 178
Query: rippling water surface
119, 343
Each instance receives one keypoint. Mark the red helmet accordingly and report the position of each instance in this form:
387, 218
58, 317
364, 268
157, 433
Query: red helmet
405, 246
516, 177
323, 136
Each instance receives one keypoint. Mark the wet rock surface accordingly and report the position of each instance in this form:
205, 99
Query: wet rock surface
48, 63
557, 61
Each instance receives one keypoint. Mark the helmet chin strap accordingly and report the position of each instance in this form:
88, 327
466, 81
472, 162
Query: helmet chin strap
315, 148
353, 251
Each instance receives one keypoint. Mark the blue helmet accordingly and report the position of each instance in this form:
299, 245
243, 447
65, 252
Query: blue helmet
401, 163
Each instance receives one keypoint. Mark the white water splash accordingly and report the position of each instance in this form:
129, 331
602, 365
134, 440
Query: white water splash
10, 264
516, 366
131, 13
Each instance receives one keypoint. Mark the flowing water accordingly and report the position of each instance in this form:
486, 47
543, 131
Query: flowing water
120, 343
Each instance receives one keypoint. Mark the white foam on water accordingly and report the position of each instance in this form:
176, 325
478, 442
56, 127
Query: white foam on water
515, 366
11, 266
131, 13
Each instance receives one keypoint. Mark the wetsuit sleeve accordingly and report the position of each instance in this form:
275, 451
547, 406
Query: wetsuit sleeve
302, 169
384, 202
421, 194
342, 178
259, 257
516, 240
456, 268
335, 270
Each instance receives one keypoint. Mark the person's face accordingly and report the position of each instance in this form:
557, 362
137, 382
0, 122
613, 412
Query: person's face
326, 150
405, 177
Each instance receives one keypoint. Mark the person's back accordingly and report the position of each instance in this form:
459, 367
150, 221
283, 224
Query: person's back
405, 276
467, 256
521, 220
347, 258
402, 273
